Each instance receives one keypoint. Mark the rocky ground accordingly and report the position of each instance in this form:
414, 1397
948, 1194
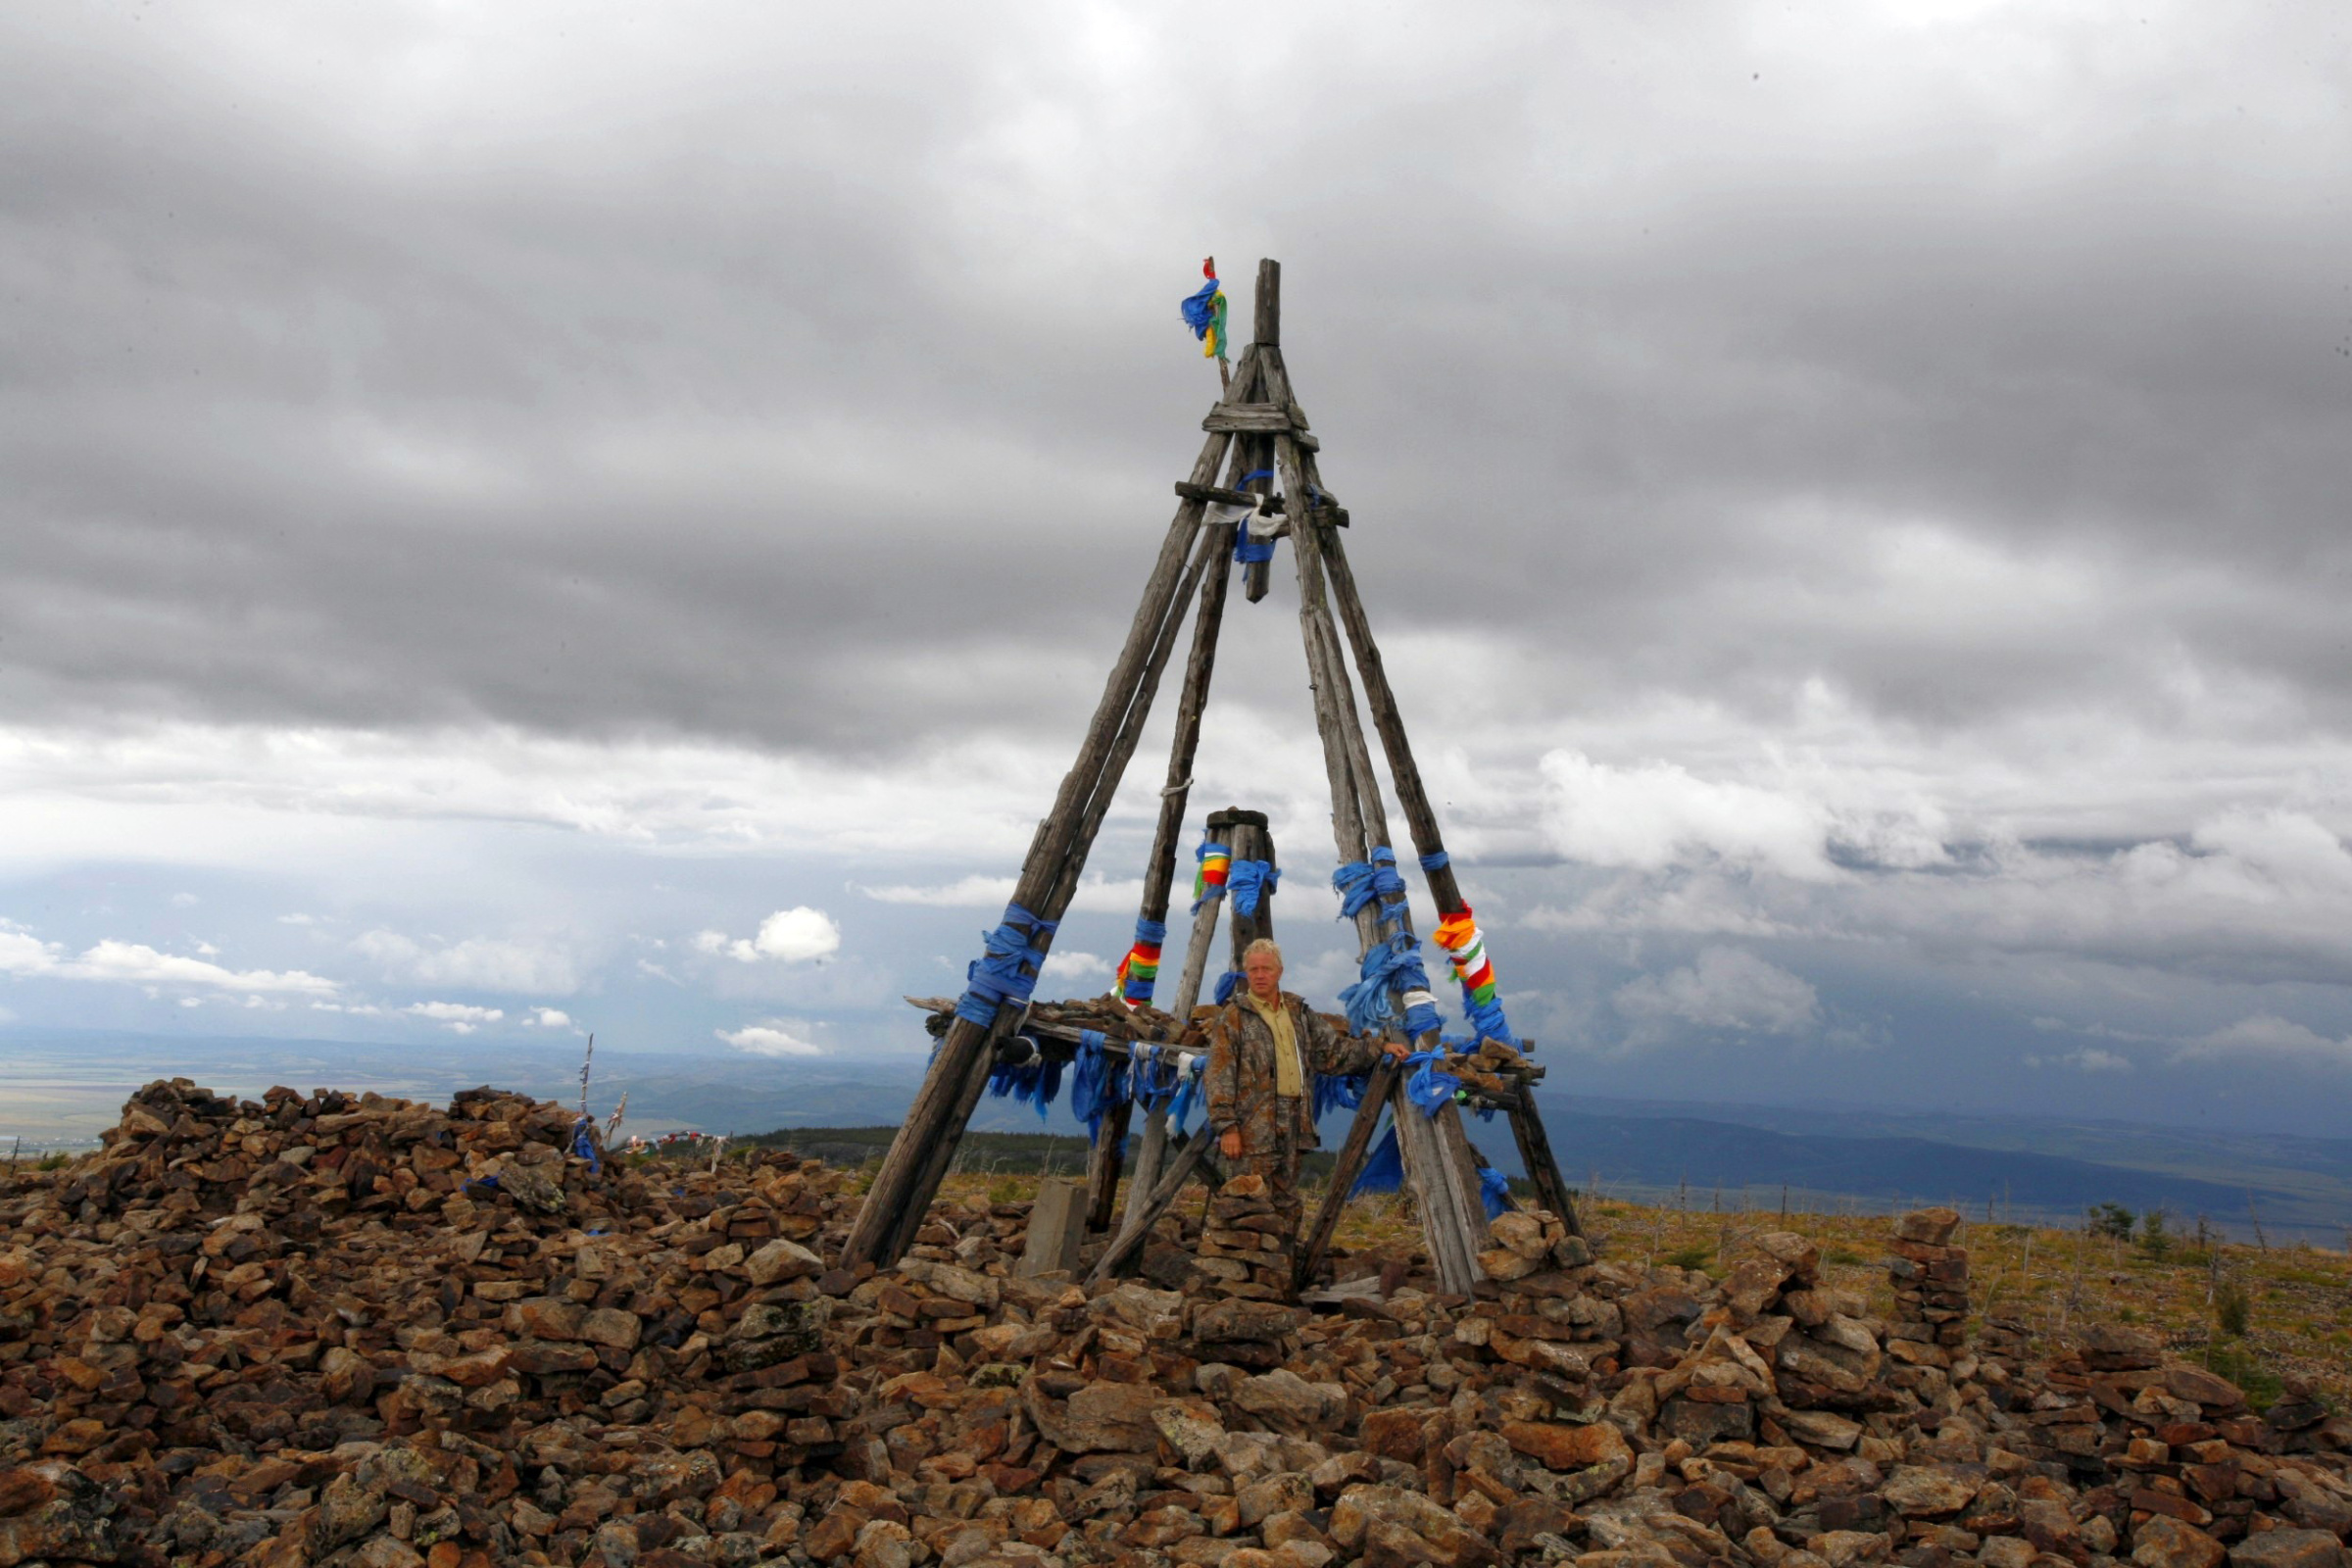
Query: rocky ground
320, 1330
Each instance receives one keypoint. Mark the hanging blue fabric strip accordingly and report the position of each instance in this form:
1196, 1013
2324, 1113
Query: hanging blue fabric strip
997, 977
1495, 1190
1383, 1172
1245, 549
1188, 1093
1094, 1085
1248, 882
583, 1143
1227, 984
1335, 1091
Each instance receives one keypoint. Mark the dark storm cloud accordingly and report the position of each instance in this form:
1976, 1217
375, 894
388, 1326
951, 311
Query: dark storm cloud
820, 384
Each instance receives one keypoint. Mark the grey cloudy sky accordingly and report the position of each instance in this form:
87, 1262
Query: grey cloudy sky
503, 507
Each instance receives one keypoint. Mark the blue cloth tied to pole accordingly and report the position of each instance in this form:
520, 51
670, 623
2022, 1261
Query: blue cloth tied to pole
1494, 1190
1427, 1087
1383, 1172
1393, 963
1249, 881
583, 1143
1437, 861
1227, 982
1095, 1084
996, 978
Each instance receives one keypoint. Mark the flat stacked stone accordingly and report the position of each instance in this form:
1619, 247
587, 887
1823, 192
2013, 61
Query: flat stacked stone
1247, 1250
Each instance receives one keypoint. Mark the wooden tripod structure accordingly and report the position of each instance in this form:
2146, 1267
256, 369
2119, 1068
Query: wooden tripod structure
1258, 436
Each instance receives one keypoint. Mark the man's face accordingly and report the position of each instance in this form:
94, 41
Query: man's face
1264, 974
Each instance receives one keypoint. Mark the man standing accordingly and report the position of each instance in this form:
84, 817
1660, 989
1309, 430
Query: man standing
1263, 1048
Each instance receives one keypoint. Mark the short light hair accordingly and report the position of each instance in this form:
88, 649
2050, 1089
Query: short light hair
1265, 944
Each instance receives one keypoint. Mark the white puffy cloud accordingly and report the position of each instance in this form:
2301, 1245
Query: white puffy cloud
547, 1018
770, 1038
1072, 965
798, 935
1722, 989
136, 963
476, 963
459, 1017
1659, 813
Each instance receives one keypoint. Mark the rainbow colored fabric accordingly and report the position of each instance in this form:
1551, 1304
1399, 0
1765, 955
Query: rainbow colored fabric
1213, 865
1140, 969
1204, 313
1465, 945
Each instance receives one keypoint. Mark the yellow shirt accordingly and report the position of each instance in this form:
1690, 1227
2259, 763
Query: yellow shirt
1290, 1078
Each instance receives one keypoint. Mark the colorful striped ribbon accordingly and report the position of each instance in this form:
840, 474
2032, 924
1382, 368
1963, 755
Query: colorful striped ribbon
1465, 945
1214, 865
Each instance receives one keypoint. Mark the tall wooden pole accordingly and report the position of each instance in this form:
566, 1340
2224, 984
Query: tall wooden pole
1442, 1227
1421, 820
903, 1186
940, 1153
1159, 871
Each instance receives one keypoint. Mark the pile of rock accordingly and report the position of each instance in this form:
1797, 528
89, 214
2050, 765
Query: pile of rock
1931, 1288
656, 1369
1247, 1249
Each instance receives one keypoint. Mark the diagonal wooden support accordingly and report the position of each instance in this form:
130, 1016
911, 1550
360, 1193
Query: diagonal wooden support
1436, 1150
909, 1175
1346, 1168
1152, 1148
940, 1151
1137, 1226
1534, 1152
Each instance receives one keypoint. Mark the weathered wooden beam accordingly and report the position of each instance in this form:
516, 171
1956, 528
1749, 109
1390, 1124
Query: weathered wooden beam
1347, 1167
1245, 419
1420, 817
1425, 1170
1137, 1226
1252, 841
940, 1153
1102, 1164
1534, 1152
1225, 497
904, 1187
1152, 1148
1267, 326
1436, 1150
1159, 871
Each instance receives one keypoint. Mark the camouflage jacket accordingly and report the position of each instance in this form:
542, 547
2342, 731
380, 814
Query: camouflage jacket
1239, 1076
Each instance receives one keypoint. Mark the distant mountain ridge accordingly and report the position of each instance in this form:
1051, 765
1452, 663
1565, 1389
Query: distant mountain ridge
2024, 1167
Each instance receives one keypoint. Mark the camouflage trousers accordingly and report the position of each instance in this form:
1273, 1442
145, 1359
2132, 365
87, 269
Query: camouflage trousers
1274, 1156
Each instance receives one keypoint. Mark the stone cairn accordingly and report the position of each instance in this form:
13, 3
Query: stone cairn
1246, 1250
313, 1332
1931, 1288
